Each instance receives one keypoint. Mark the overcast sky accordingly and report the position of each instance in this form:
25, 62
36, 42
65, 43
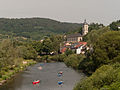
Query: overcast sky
101, 11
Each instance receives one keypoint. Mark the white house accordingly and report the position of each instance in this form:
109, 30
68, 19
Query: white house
78, 50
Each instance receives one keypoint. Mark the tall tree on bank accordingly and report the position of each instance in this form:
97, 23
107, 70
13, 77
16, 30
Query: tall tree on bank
47, 46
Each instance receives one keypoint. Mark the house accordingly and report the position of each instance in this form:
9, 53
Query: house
67, 44
78, 50
81, 44
81, 47
78, 47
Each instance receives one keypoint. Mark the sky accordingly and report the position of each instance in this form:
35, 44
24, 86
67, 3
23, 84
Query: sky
75, 11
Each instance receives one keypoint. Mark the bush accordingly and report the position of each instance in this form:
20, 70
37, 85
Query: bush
2, 72
0, 75
27, 52
5, 77
87, 66
1, 79
16, 69
68, 52
59, 58
73, 60
10, 74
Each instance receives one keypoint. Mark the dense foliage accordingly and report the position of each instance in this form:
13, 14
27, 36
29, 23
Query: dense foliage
11, 52
106, 77
102, 61
105, 50
114, 25
12, 55
95, 26
48, 45
92, 36
73, 60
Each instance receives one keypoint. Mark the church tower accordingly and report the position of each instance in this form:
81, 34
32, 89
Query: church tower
85, 28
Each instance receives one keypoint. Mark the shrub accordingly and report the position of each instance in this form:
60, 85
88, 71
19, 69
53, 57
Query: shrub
59, 58
5, 77
2, 72
0, 75
16, 69
73, 60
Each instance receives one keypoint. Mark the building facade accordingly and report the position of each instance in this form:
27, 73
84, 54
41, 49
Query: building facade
78, 37
74, 38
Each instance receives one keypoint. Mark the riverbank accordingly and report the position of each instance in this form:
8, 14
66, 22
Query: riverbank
8, 72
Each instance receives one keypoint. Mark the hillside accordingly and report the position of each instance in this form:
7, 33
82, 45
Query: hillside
34, 28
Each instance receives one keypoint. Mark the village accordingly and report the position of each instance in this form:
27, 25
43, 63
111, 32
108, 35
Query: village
75, 42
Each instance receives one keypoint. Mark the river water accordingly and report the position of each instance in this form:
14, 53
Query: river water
48, 77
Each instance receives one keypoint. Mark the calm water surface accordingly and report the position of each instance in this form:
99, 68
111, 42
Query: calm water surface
48, 77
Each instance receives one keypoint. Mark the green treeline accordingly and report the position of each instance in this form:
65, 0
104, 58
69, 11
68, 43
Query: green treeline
34, 28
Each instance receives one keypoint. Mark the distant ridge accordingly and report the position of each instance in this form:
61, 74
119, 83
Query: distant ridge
34, 28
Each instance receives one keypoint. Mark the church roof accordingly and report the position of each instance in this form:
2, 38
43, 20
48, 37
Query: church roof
74, 35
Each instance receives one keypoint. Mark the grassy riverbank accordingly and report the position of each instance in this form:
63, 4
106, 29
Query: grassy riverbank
8, 72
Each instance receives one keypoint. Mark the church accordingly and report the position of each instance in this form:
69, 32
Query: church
78, 37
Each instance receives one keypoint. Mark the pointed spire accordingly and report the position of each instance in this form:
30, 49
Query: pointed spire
85, 22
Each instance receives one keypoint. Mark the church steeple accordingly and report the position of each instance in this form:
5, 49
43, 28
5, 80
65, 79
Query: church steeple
85, 22
85, 28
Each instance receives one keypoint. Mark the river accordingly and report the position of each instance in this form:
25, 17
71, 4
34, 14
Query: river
48, 77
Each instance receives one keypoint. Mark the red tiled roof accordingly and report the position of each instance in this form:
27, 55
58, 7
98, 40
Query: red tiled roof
81, 43
63, 49
78, 45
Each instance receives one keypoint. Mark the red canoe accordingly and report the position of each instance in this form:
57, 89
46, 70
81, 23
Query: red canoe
36, 82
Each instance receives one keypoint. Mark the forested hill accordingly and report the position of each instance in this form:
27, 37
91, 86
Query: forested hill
34, 28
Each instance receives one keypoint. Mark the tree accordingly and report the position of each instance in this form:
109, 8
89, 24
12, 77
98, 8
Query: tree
68, 52
113, 26
106, 48
73, 60
95, 26
93, 36
47, 46
37, 45
27, 52
56, 40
